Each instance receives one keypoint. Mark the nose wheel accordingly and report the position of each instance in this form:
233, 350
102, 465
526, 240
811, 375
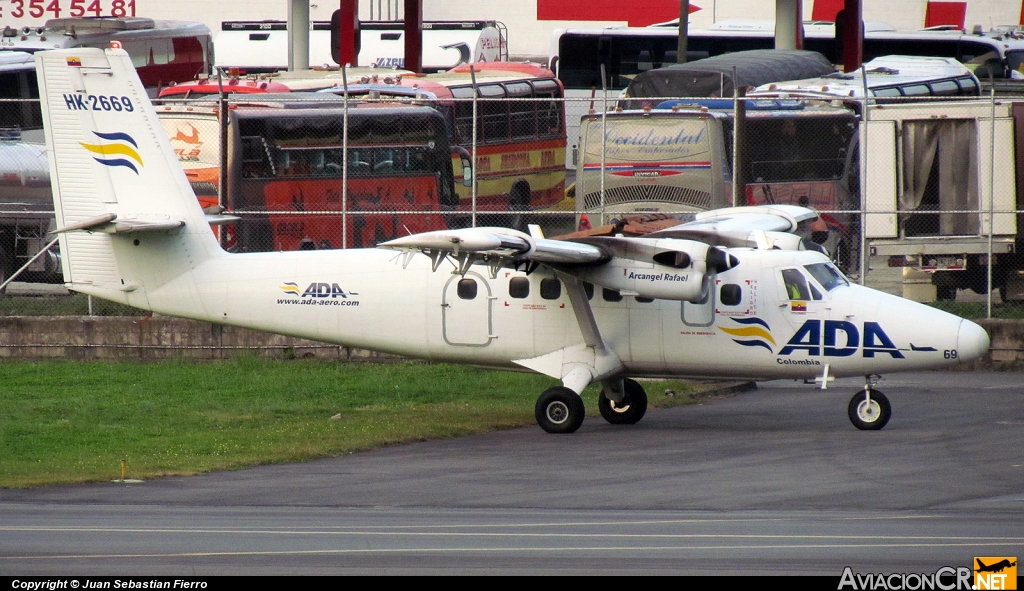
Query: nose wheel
869, 410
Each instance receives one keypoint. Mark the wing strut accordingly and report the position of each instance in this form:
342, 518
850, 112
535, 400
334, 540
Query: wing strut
578, 365
584, 313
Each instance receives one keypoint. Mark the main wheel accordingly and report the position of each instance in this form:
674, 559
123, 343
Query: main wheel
869, 415
627, 411
559, 410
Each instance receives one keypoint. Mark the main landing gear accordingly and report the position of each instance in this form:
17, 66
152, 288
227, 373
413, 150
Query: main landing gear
869, 409
561, 410
629, 409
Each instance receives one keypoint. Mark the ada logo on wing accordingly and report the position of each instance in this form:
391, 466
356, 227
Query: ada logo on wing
116, 149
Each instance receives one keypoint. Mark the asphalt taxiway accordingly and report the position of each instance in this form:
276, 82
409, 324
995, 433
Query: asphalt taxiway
771, 481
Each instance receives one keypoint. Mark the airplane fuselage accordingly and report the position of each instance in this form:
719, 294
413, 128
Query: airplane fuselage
366, 298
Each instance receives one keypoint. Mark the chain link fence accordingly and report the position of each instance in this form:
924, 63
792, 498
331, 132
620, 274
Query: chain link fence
929, 186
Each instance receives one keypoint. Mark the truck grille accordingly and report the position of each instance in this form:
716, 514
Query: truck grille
654, 193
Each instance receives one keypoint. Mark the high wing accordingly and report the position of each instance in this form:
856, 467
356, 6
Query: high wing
760, 226
692, 245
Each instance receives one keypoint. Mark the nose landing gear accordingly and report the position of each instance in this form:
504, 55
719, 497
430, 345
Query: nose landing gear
869, 409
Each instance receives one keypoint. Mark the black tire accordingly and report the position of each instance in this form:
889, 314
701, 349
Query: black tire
559, 410
629, 410
869, 416
945, 293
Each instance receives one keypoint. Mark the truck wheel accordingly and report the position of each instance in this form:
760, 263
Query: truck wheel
945, 293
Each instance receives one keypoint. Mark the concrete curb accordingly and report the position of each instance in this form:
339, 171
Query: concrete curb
726, 388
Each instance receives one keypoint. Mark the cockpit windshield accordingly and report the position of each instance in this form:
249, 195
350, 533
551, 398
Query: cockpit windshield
827, 275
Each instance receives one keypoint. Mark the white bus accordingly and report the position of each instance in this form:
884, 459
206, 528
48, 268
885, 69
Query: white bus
904, 76
576, 55
163, 52
262, 46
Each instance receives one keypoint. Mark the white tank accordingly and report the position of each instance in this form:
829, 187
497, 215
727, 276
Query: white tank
24, 176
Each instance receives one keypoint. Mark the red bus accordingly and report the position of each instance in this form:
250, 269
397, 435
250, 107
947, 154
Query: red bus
520, 132
287, 161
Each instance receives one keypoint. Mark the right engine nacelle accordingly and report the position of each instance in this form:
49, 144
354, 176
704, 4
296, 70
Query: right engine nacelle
665, 269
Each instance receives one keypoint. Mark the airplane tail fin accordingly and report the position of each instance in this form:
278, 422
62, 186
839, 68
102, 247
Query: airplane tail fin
128, 220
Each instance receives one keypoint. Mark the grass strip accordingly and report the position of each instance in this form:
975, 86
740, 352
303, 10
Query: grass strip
69, 422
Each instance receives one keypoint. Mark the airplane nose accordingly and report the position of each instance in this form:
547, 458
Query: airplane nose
972, 341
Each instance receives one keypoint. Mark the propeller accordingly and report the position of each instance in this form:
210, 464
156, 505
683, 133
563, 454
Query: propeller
717, 260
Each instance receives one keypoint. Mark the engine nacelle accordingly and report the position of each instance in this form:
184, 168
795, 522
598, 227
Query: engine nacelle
665, 269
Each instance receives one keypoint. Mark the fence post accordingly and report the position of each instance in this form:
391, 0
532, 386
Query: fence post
476, 124
604, 138
862, 173
991, 188
739, 157
344, 158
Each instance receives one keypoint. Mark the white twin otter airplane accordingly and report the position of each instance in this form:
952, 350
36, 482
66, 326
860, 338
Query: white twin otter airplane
730, 295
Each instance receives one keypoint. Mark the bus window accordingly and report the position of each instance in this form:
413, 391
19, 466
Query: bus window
968, 86
20, 85
887, 92
916, 90
945, 87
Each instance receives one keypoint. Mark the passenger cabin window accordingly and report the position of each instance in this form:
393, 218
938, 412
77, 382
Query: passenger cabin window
519, 287
611, 295
550, 289
589, 289
731, 294
467, 289
644, 300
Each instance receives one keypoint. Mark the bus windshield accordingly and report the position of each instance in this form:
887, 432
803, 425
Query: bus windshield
1015, 62
636, 153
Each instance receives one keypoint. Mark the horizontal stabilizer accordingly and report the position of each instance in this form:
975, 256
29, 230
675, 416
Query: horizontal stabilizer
222, 220
109, 223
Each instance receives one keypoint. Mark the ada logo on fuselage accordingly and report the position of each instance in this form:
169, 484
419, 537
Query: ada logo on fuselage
822, 338
330, 294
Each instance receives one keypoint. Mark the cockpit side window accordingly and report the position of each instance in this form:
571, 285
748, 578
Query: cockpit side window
796, 284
